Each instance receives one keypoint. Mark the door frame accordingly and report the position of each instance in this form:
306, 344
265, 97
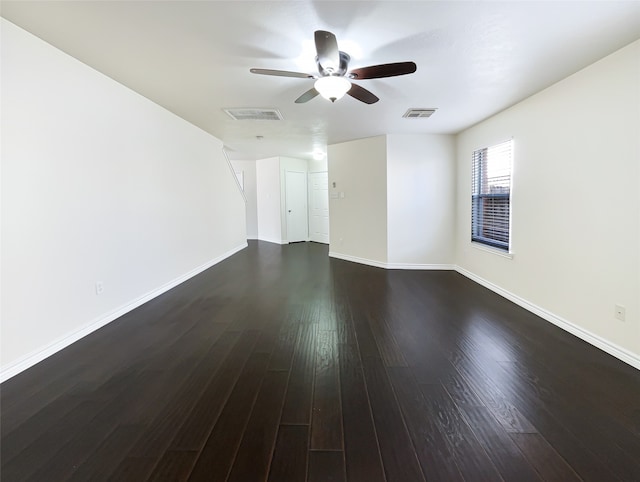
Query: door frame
309, 192
306, 200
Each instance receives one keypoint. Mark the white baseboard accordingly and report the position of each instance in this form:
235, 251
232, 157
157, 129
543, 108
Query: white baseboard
448, 267
273, 240
381, 264
591, 338
252, 236
37, 356
356, 259
64, 341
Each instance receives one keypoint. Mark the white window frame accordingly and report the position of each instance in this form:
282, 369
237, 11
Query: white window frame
479, 195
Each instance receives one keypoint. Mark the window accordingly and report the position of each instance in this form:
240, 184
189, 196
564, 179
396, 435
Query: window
490, 195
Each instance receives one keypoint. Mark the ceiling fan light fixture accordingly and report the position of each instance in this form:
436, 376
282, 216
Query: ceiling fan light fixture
332, 87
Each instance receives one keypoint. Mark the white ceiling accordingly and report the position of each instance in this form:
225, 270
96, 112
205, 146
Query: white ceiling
193, 57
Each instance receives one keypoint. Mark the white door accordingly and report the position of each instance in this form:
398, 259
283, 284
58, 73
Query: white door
319, 207
296, 206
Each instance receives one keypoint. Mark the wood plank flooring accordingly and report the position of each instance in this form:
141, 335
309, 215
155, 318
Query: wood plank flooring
281, 364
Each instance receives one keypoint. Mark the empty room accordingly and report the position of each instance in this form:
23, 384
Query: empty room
313, 241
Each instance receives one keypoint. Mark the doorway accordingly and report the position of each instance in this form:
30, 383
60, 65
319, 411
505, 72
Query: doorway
296, 206
319, 207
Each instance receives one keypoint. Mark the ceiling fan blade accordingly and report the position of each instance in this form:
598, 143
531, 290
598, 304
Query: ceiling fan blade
307, 96
383, 70
281, 73
327, 49
362, 94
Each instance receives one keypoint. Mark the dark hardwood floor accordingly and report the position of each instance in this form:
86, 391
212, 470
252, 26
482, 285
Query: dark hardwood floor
280, 364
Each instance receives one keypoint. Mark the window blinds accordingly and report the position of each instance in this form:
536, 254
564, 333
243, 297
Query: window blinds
490, 195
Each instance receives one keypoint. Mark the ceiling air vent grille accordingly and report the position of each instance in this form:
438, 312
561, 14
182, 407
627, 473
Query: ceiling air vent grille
254, 114
419, 113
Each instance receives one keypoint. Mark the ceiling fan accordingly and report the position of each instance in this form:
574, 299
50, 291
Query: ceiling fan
334, 78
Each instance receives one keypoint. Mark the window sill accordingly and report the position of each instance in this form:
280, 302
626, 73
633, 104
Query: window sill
489, 249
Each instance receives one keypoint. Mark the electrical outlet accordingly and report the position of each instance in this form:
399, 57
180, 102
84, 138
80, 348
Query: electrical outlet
620, 312
99, 287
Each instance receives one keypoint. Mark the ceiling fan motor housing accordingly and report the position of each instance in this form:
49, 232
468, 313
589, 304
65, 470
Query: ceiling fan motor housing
342, 68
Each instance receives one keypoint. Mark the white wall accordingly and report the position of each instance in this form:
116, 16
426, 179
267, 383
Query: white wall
358, 222
248, 169
420, 200
318, 166
268, 200
399, 204
98, 184
576, 202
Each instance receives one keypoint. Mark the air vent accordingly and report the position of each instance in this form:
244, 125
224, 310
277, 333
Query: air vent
254, 114
419, 113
